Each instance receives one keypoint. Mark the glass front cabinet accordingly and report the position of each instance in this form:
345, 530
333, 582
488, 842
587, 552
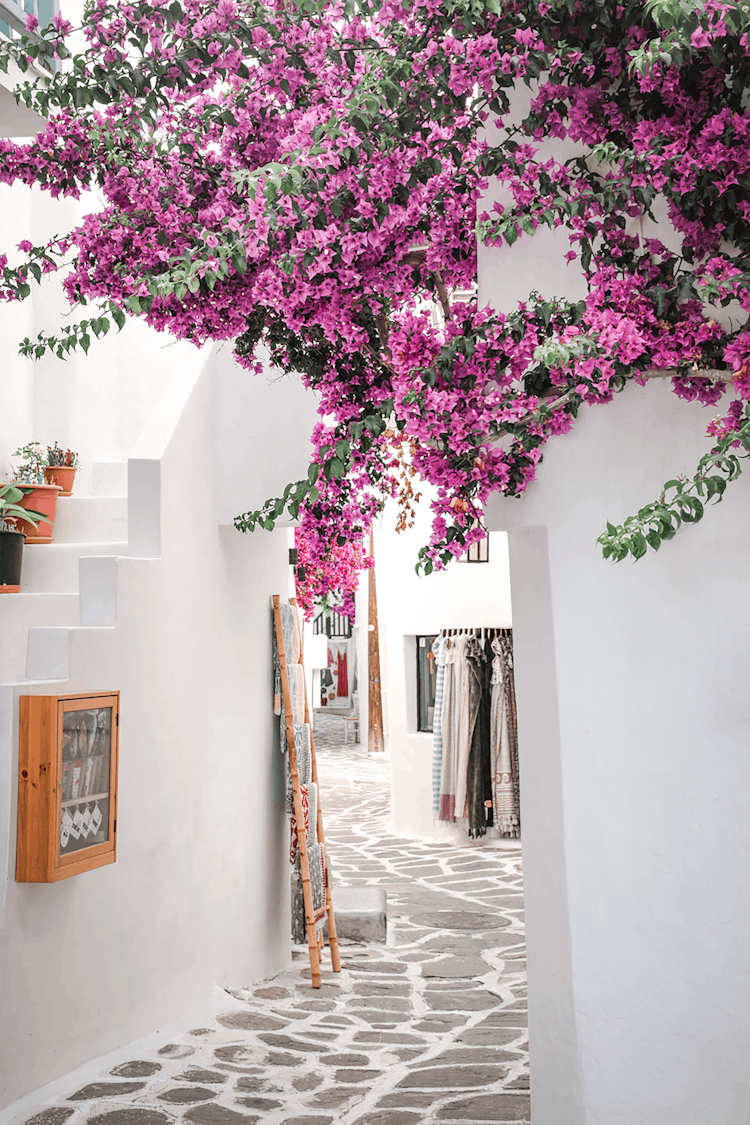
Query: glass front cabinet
67, 785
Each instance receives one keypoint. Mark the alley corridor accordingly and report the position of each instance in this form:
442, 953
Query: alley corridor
428, 1028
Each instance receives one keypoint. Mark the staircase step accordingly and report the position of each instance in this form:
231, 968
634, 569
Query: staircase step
92, 519
53, 567
109, 478
19, 613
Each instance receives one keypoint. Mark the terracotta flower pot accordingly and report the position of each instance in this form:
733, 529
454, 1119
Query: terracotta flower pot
64, 475
41, 498
11, 557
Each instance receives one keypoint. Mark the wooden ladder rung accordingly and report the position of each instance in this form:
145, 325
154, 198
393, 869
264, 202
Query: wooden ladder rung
315, 943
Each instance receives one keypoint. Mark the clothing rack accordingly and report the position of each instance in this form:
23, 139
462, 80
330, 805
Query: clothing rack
475, 744
315, 940
489, 631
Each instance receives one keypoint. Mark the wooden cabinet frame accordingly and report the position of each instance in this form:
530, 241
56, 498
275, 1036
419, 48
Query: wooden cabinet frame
40, 801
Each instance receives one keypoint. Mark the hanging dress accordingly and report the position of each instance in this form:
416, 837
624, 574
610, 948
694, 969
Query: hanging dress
342, 674
504, 744
471, 684
438, 651
476, 789
449, 729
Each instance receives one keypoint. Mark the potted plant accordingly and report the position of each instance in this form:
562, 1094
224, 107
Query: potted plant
37, 496
11, 539
61, 468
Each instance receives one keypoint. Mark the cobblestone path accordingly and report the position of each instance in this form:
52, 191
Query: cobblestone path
428, 1028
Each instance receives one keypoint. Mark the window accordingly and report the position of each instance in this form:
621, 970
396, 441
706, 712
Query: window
13, 21
426, 680
478, 552
333, 624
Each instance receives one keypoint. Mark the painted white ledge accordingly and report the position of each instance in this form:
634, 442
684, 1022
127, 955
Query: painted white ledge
144, 464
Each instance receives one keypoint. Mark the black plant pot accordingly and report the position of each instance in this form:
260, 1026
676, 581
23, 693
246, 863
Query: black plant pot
11, 558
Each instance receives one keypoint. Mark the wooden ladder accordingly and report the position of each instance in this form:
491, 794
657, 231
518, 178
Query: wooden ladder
314, 938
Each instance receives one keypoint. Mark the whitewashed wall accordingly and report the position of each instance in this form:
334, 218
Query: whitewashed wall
96, 404
463, 595
199, 893
633, 686
177, 619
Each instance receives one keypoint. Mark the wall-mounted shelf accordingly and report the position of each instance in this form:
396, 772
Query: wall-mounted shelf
67, 785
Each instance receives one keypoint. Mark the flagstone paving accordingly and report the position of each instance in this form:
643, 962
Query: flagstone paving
429, 1028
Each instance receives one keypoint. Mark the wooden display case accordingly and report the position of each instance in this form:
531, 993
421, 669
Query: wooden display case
67, 785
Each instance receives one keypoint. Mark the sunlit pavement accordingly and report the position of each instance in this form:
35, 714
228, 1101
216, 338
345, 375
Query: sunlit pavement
428, 1028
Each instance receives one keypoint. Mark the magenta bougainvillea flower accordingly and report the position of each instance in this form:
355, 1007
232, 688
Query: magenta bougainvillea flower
308, 181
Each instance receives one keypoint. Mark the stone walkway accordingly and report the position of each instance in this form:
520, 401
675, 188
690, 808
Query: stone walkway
429, 1028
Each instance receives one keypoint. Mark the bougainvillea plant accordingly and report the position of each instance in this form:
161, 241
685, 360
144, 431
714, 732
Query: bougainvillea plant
333, 583
307, 180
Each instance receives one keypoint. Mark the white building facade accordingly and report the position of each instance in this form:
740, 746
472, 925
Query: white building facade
633, 685
148, 590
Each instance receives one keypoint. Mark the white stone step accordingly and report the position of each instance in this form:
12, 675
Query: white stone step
19, 613
53, 567
109, 478
91, 519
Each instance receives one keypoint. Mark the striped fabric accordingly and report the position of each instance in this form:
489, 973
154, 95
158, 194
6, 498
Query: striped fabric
304, 762
292, 649
438, 650
296, 674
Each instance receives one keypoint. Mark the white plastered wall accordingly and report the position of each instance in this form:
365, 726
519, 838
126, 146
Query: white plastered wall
178, 620
199, 893
633, 684
96, 404
464, 595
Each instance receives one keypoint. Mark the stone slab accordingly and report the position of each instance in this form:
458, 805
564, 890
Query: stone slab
200, 1074
130, 1115
55, 1115
250, 1021
177, 1050
391, 967
460, 920
461, 1001
316, 1120
488, 1036
138, 1068
453, 967
218, 1115
452, 1077
105, 1090
355, 1076
409, 1099
183, 1095
389, 1117
495, 1108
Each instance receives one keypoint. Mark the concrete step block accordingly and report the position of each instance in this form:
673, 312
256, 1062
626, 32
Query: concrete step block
21, 612
109, 478
360, 913
92, 519
53, 567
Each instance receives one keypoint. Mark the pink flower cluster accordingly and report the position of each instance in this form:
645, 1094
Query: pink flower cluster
308, 182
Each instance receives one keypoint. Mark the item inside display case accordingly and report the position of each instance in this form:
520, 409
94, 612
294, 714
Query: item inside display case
84, 789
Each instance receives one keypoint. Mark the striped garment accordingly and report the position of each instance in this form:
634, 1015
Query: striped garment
504, 741
296, 673
302, 746
452, 687
292, 649
438, 649
294, 834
